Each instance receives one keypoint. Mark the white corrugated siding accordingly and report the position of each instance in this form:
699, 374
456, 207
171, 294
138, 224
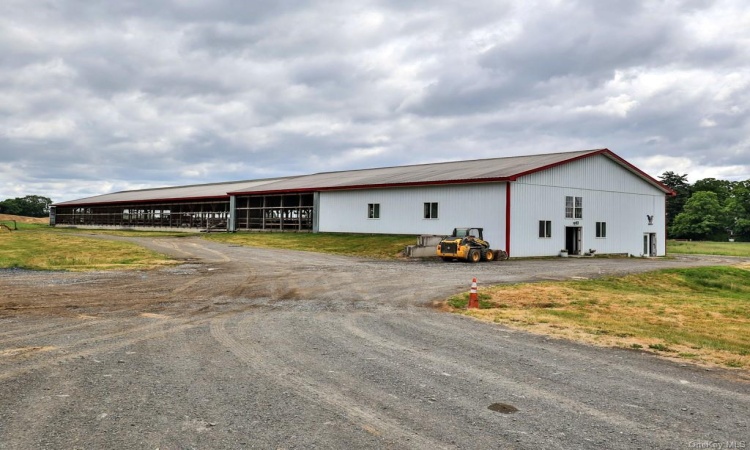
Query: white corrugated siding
610, 194
401, 210
596, 173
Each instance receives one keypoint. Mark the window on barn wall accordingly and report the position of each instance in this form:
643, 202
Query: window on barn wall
601, 229
545, 228
373, 210
431, 210
573, 207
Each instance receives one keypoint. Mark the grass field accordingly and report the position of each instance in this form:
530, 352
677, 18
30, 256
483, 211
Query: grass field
41, 248
709, 248
8, 219
699, 314
363, 245
125, 233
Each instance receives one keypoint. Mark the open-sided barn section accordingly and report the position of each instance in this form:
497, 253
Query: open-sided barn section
528, 205
190, 208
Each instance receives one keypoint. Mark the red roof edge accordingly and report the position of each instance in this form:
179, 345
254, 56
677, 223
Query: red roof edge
643, 174
610, 154
374, 186
139, 202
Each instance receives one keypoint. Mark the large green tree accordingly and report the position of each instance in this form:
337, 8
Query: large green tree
737, 210
680, 185
702, 217
722, 188
30, 206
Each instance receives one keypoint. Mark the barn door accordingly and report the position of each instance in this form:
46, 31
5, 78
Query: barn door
573, 240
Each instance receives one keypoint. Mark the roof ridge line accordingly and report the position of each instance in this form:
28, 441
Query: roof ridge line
452, 162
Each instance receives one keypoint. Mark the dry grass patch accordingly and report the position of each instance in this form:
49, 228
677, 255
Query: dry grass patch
23, 219
700, 315
42, 249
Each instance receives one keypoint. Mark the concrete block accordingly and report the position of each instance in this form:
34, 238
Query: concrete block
415, 251
429, 240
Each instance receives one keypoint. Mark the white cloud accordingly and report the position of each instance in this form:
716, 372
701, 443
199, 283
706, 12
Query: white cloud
657, 165
615, 106
42, 129
97, 97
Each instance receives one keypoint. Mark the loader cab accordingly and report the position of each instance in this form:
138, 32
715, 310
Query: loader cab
466, 232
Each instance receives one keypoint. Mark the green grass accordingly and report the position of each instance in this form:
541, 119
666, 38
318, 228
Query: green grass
709, 248
384, 246
39, 247
124, 232
461, 301
23, 226
363, 245
701, 312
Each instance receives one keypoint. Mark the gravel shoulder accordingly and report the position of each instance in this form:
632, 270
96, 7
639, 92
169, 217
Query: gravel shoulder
257, 348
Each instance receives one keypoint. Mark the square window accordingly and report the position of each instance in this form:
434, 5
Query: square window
373, 210
545, 228
431, 210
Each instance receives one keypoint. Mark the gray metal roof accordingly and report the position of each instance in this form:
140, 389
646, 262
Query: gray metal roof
182, 193
474, 171
437, 173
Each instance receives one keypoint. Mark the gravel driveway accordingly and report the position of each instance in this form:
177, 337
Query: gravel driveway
252, 348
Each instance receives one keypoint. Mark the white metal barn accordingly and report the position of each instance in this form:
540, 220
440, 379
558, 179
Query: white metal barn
534, 205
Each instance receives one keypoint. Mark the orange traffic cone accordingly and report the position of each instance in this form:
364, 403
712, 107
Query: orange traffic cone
473, 299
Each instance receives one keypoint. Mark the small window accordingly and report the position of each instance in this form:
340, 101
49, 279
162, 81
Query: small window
373, 210
431, 210
573, 207
601, 229
545, 228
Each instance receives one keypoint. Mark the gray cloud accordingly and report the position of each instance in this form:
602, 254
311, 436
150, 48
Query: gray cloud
103, 96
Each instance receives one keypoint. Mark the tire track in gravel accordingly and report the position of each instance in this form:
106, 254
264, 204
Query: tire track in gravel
184, 320
359, 379
665, 421
428, 323
77, 296
55, 329
473, 371
124, 338
315, 392
25, 328
189, 248
88, 322
404, 362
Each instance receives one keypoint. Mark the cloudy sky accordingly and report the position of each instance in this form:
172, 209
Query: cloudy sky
97, 97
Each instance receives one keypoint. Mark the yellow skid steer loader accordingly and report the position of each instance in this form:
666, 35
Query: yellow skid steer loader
468, 244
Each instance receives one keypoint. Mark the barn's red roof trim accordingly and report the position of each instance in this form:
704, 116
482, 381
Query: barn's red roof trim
606, 152
289, 185
144, 202
372, 186
514, 177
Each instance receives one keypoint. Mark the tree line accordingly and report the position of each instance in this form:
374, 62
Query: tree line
709, 209
29, 206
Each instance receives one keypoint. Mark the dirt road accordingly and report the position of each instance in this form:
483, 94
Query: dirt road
249, 348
